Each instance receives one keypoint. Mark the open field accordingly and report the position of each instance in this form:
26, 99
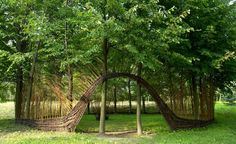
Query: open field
222, 131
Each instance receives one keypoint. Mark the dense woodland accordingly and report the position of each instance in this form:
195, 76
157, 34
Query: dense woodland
52, 50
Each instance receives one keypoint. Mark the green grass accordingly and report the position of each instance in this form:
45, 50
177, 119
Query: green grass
222, 131
152, 123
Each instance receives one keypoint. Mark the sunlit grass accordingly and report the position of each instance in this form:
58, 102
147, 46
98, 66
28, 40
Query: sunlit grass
123, 122
222, 131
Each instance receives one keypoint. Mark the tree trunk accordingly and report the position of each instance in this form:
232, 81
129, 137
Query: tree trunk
171, 91
139, 122
195, 97
69, 72
191, 97
88, 108
115, 100
60, 107
104, 95
70, 86
144, 105
19, 95
201, 97
171, 102
205, 95
129, 95
105, 58
211, 98
20, 46
31, 80
181, 95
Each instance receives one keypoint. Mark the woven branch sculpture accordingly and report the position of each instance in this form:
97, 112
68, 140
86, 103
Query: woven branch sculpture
72, 119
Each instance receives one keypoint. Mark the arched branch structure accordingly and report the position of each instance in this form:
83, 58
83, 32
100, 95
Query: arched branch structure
70, 121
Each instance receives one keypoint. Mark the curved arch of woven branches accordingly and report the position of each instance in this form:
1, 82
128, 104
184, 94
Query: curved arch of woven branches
70, 121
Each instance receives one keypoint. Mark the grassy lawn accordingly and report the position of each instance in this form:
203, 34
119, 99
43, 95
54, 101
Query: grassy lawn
223, 131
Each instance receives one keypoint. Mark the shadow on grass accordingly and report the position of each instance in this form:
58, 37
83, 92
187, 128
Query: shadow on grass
9, 126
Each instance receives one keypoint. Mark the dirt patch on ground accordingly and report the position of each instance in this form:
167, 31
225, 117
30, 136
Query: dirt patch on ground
122, 134
125, 134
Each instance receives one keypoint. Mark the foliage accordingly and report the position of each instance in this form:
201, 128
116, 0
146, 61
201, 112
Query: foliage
228, 94
7, 91
184, 46
155, 34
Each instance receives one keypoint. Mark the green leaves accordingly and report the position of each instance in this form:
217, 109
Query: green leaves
190, 34
36, 27
4, 53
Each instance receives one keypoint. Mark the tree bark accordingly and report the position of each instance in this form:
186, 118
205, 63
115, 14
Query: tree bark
139, 122
105, 58
70, 86
20, 46
115, 100
31, 80
201, 96
104, 95
171, 90
181, 95
144, 105
195, 97
88, 108
211, 98
205, 90
129, 95
19, 95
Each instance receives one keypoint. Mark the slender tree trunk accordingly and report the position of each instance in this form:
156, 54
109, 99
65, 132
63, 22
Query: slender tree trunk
204, 99
211, 98
171, 102
104, 95
69, 73
171, 91
195, 97
201, 97
191, 97
31, 80
115, 100
69, 68
88, 108
60, 107
139, 122
105, 58
144, 105
21, 46
129, 95
50, 106
70, 86
181, 95
19, 95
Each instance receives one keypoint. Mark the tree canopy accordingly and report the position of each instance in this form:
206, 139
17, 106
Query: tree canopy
186, 49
